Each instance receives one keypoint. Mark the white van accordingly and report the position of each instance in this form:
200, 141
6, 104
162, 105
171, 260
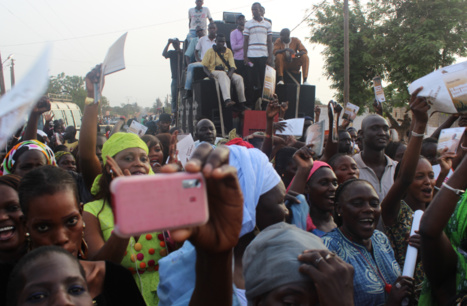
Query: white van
63, 108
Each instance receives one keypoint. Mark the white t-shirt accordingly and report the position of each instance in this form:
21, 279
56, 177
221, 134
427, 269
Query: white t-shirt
204, 44
198, 17
258, 32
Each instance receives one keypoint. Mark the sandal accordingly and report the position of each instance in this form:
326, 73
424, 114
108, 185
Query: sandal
229, 103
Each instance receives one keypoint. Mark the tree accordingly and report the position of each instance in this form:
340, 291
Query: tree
399, 40
327, 29
69, 85
417, 37
156, 105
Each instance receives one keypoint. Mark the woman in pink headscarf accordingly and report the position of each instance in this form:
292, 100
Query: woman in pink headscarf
317, 181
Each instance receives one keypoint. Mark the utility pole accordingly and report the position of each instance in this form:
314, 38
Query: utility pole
2, 79
12, 72
346, 52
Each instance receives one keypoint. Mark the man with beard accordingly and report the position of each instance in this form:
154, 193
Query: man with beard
205, 132
376, 167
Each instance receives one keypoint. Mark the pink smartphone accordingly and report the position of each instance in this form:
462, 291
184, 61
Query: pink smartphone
152, 203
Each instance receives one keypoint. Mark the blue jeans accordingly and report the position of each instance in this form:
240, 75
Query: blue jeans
189, 74
173, 87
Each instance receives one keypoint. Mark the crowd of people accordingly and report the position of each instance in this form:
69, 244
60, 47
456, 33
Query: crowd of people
243, 66
285, 227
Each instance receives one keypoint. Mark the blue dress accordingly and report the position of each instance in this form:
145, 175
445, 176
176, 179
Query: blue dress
368, 285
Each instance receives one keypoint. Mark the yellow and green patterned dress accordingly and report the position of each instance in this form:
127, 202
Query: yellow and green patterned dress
141, 257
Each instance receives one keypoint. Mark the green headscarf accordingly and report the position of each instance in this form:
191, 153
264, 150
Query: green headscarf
114, 145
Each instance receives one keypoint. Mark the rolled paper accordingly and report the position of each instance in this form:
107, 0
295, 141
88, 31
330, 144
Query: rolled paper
411, 255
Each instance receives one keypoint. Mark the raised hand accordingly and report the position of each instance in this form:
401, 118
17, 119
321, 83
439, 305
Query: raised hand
92, 77
42, 106
304, 158
48, 116
279, 126
419, 107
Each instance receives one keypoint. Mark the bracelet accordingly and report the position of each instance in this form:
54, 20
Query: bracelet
414, 134
463, 148
88, 101
458, 192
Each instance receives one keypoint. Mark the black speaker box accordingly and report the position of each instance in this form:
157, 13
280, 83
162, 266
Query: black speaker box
307, 101
306, 105
205, 105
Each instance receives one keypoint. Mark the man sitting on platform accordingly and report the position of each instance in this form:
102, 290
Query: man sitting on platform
290, 55
218, 63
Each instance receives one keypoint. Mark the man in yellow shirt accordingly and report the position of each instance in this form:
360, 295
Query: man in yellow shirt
218, 63
290, 55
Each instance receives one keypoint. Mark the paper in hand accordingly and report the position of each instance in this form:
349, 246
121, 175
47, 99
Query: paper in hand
450, 138
185, 147
269, 88
114, 61
379, 92
315, 137
293, 127
445, 88
350, 112
17, 104
137, 128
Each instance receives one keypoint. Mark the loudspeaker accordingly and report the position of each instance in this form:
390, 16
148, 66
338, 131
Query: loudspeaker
306, 105
288, 92
198, 74
205, 105
230, 17
307, 101
226, 28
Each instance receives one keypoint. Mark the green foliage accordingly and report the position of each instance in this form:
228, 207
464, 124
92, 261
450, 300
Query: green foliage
128, 110
399, 40
73, 86
69, 85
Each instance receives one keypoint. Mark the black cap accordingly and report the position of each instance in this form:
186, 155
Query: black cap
165, 117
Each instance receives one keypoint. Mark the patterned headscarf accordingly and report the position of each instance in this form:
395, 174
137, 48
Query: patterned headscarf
12, 157
60, 154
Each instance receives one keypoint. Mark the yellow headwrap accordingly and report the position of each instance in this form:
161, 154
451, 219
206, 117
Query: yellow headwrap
114, 145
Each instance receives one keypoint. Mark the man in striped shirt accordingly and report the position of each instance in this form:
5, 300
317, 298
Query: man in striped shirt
257, 47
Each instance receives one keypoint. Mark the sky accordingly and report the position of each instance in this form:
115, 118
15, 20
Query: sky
82, 31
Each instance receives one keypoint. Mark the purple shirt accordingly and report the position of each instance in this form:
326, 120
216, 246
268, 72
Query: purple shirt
236, 42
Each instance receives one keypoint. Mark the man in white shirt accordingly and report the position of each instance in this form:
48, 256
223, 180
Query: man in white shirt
376, 167
197, 17
204, 44
257, 48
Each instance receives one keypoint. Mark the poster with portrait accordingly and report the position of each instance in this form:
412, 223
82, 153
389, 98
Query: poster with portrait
269, 87
445, 89
350, 112
315, 137
450, 139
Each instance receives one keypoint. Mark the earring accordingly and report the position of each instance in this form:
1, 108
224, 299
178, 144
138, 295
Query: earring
83, 250
28, 242
338, 215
